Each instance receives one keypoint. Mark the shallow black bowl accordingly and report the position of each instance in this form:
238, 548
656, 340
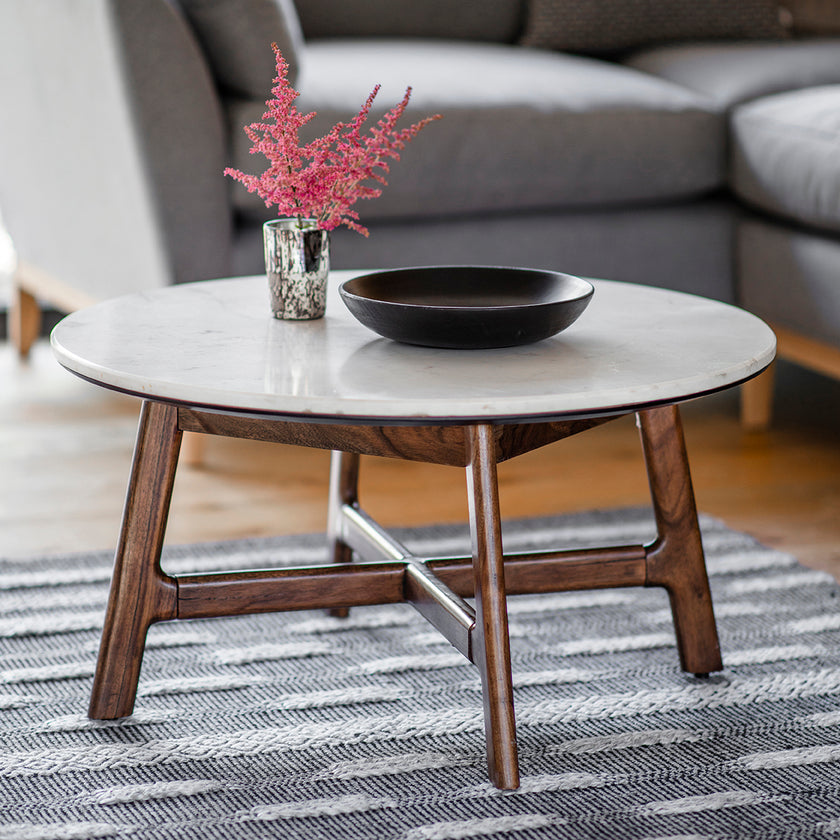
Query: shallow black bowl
466, 307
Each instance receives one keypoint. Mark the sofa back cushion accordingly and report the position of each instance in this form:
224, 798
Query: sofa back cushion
236, 36
522, 129
474, 20
606, 26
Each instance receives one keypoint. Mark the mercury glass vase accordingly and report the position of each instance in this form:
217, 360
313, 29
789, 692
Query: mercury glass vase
297, 263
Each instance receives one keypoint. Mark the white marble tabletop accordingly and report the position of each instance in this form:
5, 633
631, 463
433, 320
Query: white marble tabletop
216, 344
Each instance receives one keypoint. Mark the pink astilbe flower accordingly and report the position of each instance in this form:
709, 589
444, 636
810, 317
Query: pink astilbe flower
325, 178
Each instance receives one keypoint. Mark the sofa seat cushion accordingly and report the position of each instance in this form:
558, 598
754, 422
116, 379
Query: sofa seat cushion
737, 72
521, 128
786, 155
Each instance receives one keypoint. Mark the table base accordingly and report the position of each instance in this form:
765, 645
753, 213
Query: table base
141, 593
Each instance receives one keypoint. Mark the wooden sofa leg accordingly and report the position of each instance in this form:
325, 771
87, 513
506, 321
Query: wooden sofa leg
757, 401
24, 320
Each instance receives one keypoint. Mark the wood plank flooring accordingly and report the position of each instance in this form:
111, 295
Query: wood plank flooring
65, 448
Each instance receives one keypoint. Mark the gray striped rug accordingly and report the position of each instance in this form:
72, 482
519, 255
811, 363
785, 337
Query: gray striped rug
303, 725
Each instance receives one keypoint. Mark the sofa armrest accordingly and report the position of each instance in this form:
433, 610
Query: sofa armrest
110, 126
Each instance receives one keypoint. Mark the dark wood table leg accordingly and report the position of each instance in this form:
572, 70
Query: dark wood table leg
140, 592
491, 645
344, 490
675, 560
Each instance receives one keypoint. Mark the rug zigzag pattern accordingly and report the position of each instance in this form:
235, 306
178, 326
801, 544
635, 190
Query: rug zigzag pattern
301, 725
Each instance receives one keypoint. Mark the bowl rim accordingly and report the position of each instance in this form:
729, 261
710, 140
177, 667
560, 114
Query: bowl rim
586, 289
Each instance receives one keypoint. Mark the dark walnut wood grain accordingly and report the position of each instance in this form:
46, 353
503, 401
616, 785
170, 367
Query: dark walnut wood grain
431, 444
344, 490
491, 646
140, 592
676, 560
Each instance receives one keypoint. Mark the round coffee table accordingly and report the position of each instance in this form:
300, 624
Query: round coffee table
208, 357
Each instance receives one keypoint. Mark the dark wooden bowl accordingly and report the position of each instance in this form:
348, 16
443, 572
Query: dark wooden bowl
466, 307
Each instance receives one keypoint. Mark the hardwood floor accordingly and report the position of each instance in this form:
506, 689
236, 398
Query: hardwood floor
66, 447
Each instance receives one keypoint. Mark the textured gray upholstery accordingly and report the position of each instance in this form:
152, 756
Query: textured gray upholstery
607, 26
237, 36
733, 73
786, 155
177, 119
522, 129
685, 246
468, 20
790, 277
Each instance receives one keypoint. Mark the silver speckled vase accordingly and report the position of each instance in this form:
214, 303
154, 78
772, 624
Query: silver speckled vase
297, 263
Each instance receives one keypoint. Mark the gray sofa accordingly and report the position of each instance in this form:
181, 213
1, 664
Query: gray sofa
695, 146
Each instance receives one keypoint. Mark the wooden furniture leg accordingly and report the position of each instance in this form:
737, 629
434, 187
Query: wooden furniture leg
344, 490
757, 401
24, 320
675, 560
140, 592
491, 647
32, 286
